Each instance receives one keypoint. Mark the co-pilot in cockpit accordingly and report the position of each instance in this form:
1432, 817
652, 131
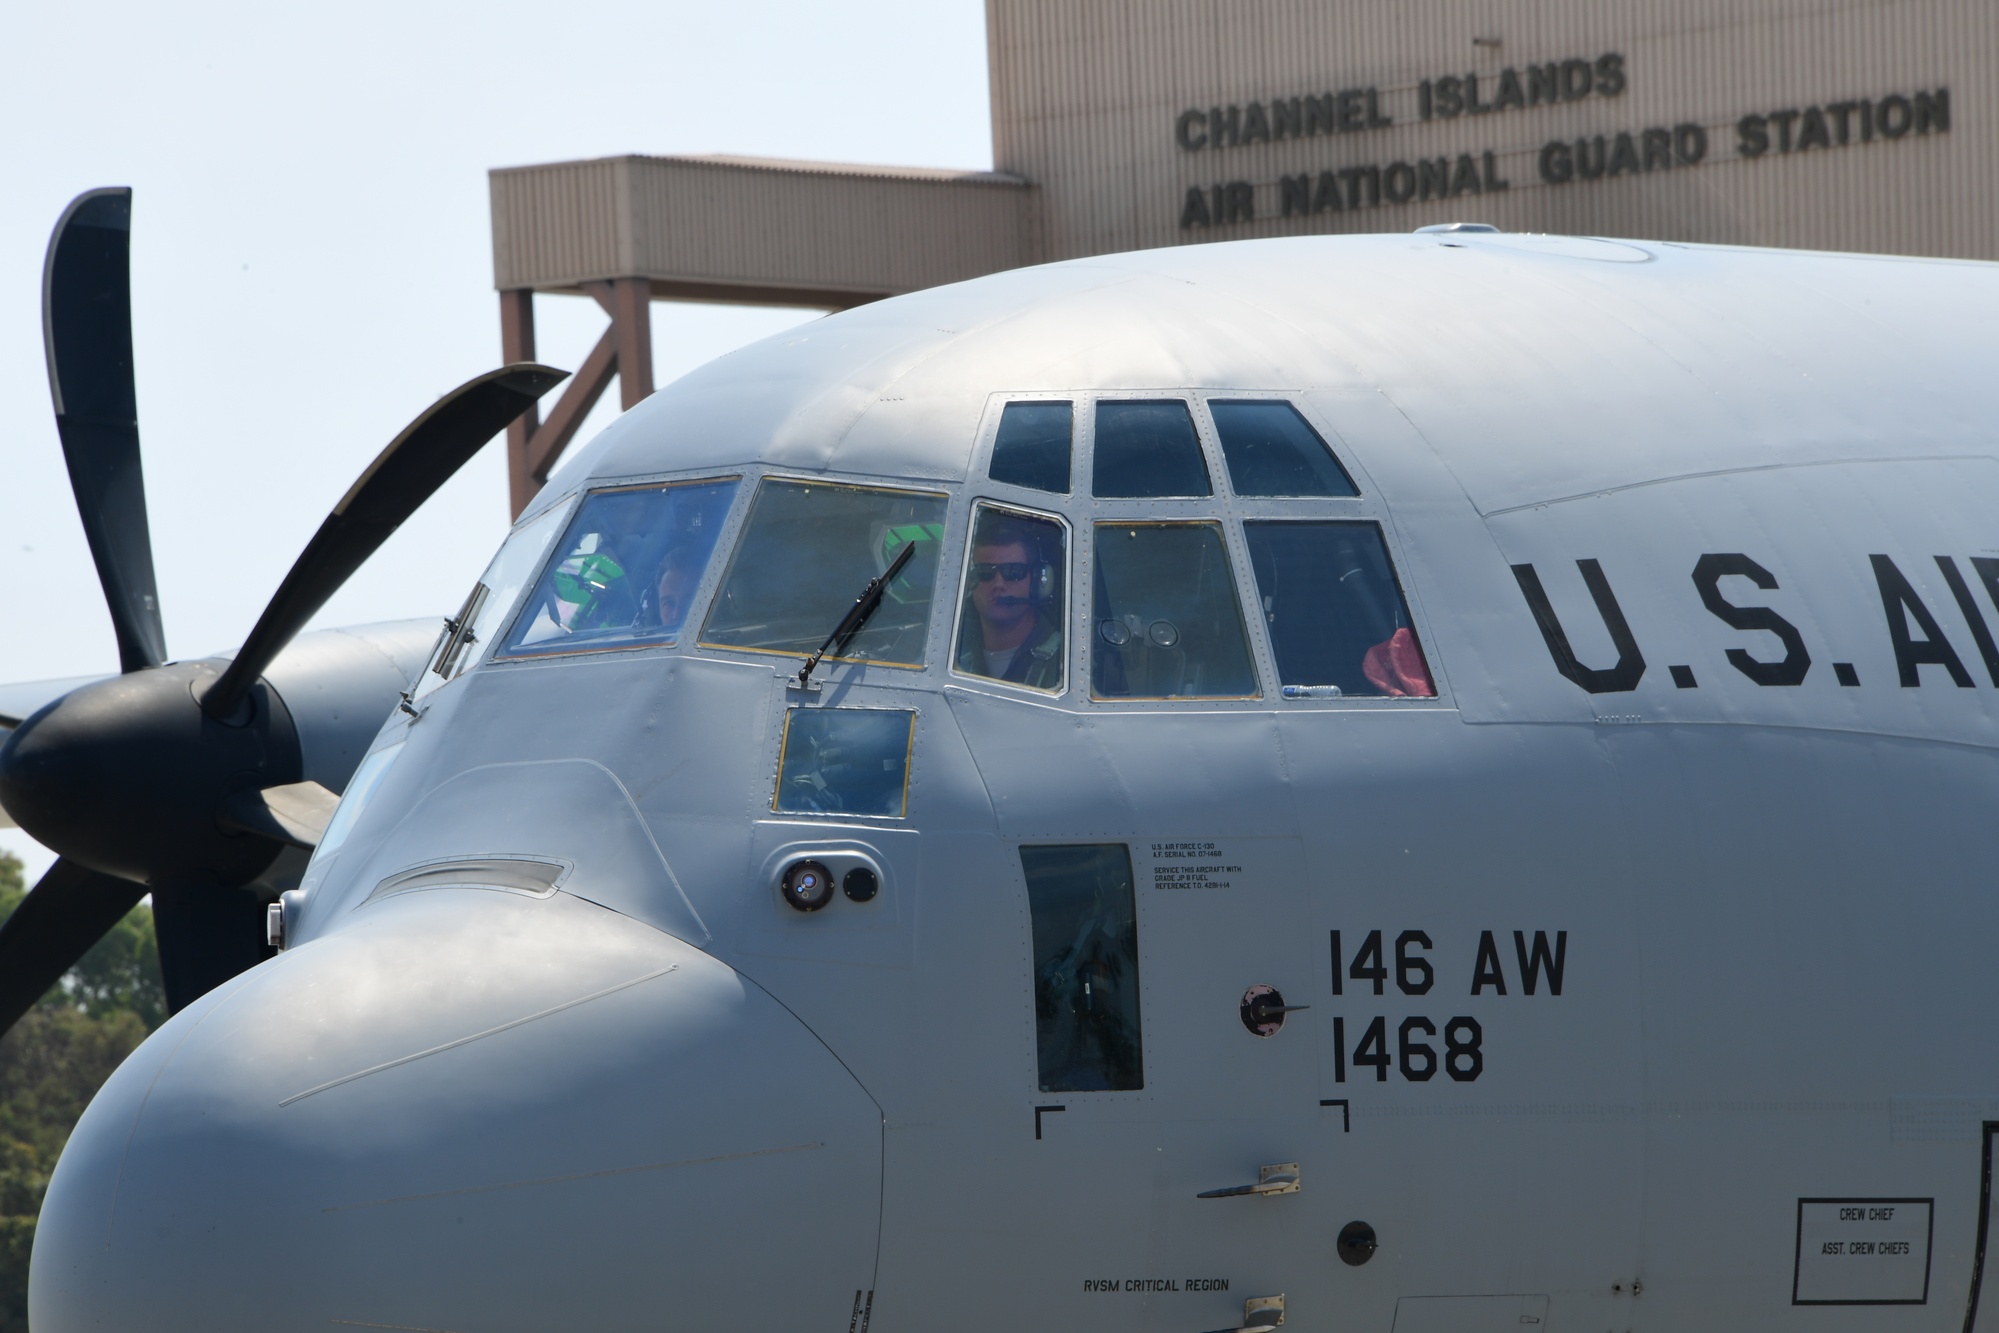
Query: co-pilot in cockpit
634, 558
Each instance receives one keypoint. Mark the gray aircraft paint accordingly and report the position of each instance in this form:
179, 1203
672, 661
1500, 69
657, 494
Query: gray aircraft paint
1776, 940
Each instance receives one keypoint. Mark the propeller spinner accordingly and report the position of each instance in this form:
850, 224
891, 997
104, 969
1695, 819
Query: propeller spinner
185, 779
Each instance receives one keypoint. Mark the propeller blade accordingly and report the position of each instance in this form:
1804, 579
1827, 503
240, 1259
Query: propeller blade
208, 932
425, 456
87, 329
295, 813
63, 915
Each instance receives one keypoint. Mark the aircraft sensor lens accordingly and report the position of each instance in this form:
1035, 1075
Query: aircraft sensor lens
807, 885
861, 884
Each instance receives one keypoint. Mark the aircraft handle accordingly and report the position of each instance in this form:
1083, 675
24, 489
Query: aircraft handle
1279, 1179
1260, 1314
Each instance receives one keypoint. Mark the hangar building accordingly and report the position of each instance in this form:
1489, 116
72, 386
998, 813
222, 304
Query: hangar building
1129, 124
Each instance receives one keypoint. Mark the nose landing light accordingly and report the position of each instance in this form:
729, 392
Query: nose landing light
807, 885
808, 875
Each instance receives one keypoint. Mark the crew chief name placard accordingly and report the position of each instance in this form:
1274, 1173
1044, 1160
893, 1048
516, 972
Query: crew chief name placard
1863, 1252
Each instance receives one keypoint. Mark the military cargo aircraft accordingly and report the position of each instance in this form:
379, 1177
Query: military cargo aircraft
1437, 782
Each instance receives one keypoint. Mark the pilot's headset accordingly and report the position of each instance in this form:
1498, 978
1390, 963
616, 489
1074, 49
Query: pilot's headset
1041, 587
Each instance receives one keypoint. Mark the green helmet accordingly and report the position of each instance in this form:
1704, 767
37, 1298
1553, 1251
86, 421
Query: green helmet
926, 537
582, 580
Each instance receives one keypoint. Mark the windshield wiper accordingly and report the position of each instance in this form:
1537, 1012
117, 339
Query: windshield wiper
857, 615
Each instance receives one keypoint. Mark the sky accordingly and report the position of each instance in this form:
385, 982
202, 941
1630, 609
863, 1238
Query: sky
312, 259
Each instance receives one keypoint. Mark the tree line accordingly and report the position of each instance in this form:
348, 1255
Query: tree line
54, 1061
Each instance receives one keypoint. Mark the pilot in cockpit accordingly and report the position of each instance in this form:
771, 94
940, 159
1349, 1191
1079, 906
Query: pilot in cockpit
663, 606
636, 556
1010, 627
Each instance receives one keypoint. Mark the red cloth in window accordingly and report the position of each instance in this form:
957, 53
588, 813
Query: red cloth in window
1396, 667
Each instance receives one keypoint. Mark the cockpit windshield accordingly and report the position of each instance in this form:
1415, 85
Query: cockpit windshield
627, 571
808, 549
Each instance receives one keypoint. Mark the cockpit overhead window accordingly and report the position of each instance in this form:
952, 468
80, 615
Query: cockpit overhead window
626, 570
1032, 447
1011, 618
1335, 613
1167, 622
1147, 449
809, 549
1272, 450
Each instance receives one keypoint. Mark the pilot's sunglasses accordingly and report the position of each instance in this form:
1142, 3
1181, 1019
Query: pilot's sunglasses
1013, 571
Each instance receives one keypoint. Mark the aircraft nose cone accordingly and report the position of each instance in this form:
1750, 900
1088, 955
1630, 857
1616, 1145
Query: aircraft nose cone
468, 1109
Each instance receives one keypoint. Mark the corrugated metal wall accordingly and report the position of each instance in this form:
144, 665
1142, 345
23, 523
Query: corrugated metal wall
722, 223
1086, 94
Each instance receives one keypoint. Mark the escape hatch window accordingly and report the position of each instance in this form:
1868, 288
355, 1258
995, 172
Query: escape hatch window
1086, 1025
1147, 449
1271, 450
845, 761
809, 549
1032, 447
626, 569
1335, 612
1167, 622
1012, 612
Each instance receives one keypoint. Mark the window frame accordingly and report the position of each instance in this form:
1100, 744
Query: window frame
987, 445
1206, 445
1069, 594
1143, 987
791, 709
731, 518
734, 531
1206, 418
1364, 507
475, 655
1231, 538
1084, 510
1395, 581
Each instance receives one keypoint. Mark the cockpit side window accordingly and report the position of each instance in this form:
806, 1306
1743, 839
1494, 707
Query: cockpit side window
809, 549
1147, 449
492, 600
1013, 609
1168, 624
626, 570
1335, 612
1032, 446
1272, 450
1086, 1023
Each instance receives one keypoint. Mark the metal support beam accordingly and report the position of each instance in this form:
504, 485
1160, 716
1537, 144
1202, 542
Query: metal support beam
631, 320
625, 350
581, 394
517, 344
